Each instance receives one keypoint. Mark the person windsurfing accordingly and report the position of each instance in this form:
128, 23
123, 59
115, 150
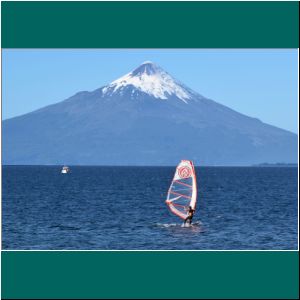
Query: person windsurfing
182, 193
189, 218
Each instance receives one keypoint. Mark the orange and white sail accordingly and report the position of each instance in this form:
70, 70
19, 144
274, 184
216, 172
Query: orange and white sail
183, 190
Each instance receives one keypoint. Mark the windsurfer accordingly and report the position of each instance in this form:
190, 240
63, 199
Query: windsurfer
190, 216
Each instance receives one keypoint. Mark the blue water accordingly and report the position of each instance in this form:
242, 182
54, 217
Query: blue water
123, 208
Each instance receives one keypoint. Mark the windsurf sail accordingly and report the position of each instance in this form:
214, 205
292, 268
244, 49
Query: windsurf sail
183, 190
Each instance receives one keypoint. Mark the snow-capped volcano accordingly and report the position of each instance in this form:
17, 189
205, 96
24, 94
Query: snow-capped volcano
152, 80
143, 118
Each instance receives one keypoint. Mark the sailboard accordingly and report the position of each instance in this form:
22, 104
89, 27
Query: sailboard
182, 193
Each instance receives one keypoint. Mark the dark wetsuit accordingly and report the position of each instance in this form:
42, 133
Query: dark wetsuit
190, 216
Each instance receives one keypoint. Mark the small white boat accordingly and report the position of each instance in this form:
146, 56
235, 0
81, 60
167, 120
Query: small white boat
65, 170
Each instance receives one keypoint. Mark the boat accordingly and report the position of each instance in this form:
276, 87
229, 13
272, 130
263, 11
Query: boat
65, 170
182, 194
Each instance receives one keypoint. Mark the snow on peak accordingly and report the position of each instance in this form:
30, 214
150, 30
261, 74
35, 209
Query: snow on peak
153, 80
147, 62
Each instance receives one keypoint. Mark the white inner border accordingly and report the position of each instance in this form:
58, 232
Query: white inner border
136, 250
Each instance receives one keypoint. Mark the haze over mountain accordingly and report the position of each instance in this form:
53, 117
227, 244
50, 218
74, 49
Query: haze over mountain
145, 117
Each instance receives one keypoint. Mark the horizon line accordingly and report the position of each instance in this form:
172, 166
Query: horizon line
154, 166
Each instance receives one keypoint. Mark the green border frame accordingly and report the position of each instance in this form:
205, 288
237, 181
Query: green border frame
156, 24
150, 274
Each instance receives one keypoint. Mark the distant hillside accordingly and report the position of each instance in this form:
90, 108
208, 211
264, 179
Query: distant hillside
276, 165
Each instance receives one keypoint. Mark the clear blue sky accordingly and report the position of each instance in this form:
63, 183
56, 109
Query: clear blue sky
260, 83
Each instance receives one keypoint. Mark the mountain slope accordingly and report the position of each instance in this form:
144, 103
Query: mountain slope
143, 118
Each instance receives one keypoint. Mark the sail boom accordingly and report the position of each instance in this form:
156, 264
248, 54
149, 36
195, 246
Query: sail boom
181, 195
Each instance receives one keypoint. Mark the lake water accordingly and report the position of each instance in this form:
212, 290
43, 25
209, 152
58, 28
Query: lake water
124, 208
